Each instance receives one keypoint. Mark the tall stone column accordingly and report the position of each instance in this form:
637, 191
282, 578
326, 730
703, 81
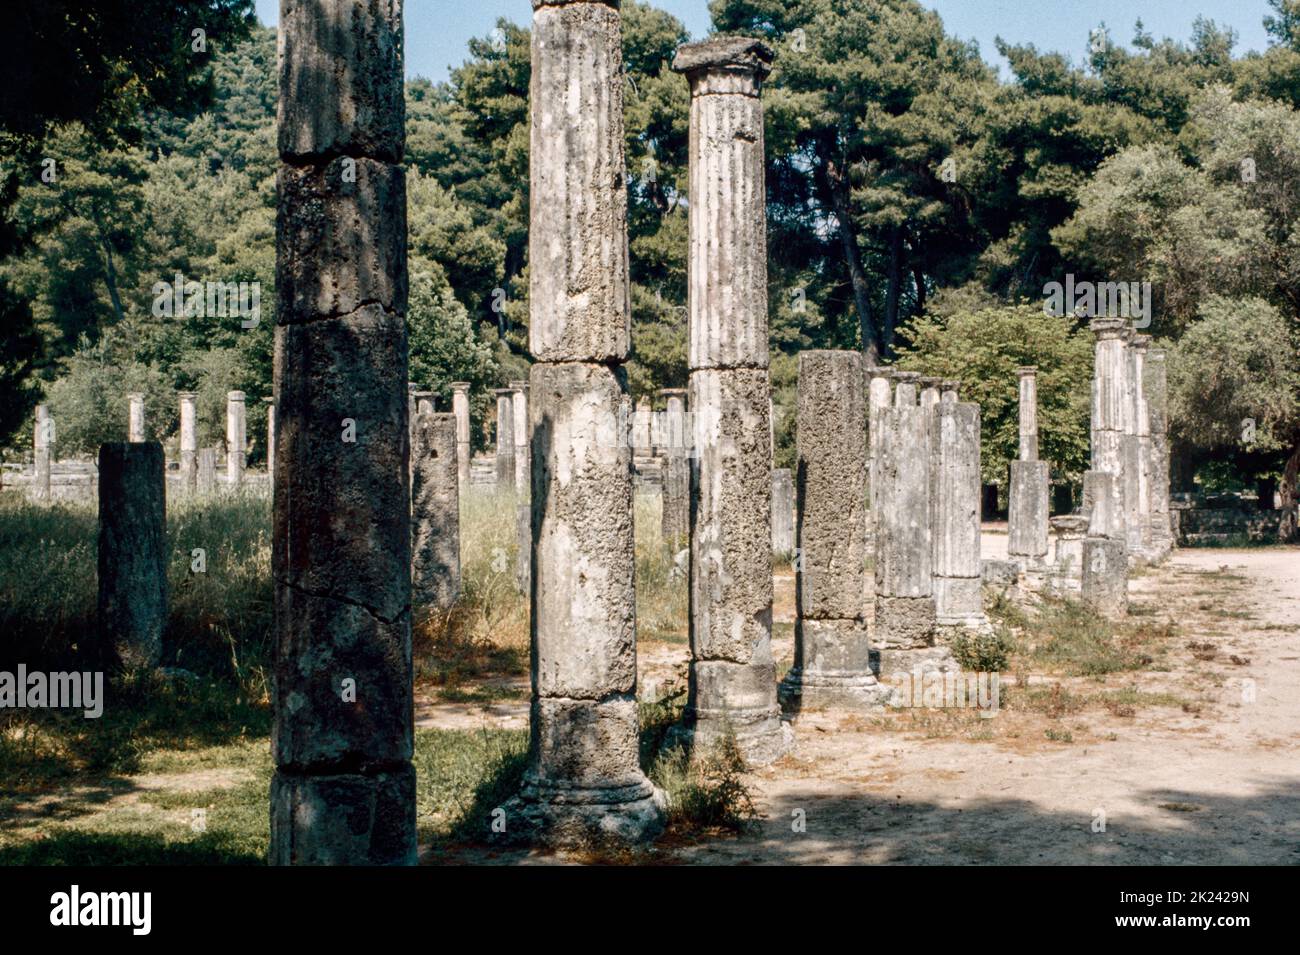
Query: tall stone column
205, 482
270, 439
344, 787
236, 437
732, 677
1138, 456
435, 514
583, 779
42, 441
1157, 395
782, 512
135, 416
880, 394
1109, 401
1027, 510
460, 408
955, 444
832, 656
519, 409
189, 440
950, 389
676, 518
505, 439
132, 552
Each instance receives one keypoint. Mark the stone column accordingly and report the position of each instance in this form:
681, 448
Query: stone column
270, 439
1157, 395
1067, 566
435, 514
732, 676
1109, 399
344, 787
929, 391
135, 416
880, 394
677, 468
205, 481
460, 408
1027, 508
1139, 510
832, 656
236, 438
519, 408
1104, 583
42, 440
424, 403
782, 512
955, 444
132, 552
505, 439
642, 444
906, 384
950, 389
189, 440
583, 780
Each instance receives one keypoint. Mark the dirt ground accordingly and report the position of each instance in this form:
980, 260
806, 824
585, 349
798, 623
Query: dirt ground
1209, 774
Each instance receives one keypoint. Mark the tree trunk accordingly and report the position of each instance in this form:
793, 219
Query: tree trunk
838, 188
894, 287
1287, 530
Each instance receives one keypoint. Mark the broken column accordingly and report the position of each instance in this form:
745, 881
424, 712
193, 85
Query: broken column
1103, 572
929, 386
236, 438
135, 416
519, 431
782, 512
1109, 400
832, 657
205, 481
435, 514
949, 390
132, 602
42, 440
1067, 564
505, 460
460, 408
1138, 452
732, 677
1027, 508
1157, 396
955, 444
583, 780
344, 787
189, 440
677, 469
270, 438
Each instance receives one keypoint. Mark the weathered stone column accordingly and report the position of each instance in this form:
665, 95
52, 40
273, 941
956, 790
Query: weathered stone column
1098, 507
832, 662
950, 389
435, 514
1104, 584
505, 461
1067, 565
929, 396
642, 419
135, 416
676, 519
1028, 506
1109, 400
424, 403
1138, 451
270, 439
905, 388
583, 779
732, 677
132, 552
236, 437
42, 440
955, 444
1157, 395
189, 440
344, 788
880, 394
782, 512
460, 408
205, 481
519, 431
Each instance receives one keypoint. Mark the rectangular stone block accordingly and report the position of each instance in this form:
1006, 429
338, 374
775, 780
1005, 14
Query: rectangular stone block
435, 514
1104, 587
1028, 510
586, 744
348, 819
904, 547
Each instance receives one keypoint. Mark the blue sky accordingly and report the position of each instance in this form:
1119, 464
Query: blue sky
437, 30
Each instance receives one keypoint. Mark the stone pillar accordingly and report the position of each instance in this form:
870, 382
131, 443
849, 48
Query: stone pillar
642, 444
1104, 583
950, 389
583, 780
1104, 520
270, 439
1067, 565
132, 552
880, 394
236, 438
435, 514
832, 661
905, 388
733, 677
929, 391
135, 416
1109, 401
344, 787
782, 512
205, 481
519, 430
904, 578
955, 444
1157, 396
424, 403
677, 468
1139, 509
460, 408
42, 440
189, 440
505, 439
1030, 484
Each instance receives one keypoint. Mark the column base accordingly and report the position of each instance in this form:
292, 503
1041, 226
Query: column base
562, 816
904, 622
820, 689
346, 819
888, 661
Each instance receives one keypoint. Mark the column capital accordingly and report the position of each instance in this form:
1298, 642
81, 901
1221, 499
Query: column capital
462, 386
187, 395
745, 61
1027, 371
1140, 342
909, 377
930, 381
235, 396
1106, 328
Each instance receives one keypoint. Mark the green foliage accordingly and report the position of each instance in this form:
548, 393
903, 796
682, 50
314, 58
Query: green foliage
983, 652
982, 347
